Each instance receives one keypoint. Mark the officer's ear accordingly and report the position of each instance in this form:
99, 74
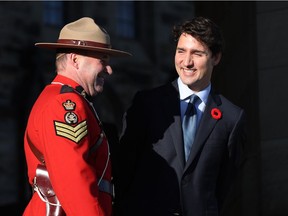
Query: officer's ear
74, 59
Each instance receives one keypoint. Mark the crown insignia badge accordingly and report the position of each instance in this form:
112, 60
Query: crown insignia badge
69, 105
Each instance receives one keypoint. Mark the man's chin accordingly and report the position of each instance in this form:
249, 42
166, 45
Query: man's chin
98, 89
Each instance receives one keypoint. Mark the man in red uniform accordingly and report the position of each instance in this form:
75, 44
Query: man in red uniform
66, 150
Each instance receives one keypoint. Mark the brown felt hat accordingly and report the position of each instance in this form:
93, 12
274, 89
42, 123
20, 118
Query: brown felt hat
84, 34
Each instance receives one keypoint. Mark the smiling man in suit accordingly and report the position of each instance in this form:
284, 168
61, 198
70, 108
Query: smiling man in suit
156, 172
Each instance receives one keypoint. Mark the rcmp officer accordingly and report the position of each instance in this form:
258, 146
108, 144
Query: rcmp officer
66, 150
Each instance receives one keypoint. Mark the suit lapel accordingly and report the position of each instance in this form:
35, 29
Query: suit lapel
176, 133
206, 125
171, 107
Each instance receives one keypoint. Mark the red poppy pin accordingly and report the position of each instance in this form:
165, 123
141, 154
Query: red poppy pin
216, 113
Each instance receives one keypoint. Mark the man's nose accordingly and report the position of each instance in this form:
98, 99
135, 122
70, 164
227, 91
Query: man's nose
188, 60
109, 69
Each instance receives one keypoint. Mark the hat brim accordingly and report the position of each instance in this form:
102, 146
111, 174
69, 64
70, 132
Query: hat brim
111, 52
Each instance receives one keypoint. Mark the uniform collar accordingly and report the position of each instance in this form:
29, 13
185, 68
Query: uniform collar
63, 80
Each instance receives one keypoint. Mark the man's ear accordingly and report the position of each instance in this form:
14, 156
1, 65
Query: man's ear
73, 58
217, 58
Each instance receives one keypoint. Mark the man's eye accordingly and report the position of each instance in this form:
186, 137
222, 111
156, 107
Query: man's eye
198, 54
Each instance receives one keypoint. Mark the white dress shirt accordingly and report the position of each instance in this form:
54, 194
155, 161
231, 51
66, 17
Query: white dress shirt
185, 94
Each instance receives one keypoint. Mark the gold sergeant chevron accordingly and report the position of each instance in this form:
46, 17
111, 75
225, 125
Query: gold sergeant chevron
74, 133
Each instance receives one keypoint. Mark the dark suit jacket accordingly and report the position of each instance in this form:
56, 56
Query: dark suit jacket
151, 176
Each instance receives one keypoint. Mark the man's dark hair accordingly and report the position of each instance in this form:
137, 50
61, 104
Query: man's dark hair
204, 30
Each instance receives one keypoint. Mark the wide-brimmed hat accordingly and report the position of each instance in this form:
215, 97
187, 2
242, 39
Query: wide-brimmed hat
84, 34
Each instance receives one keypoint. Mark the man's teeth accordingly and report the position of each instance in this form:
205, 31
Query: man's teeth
189, 70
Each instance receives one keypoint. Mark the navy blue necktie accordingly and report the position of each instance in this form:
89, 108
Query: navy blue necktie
189, 125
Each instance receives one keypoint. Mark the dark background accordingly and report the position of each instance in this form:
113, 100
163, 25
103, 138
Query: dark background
253, 74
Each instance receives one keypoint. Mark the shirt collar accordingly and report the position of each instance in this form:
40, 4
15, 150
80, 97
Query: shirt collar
185, 92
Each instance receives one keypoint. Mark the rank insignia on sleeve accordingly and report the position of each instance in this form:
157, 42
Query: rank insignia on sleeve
71, 118
74, 133
69, 105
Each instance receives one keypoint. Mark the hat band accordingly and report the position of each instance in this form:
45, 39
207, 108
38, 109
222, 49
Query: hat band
83, 43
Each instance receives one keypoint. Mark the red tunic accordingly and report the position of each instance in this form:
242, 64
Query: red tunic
64, 128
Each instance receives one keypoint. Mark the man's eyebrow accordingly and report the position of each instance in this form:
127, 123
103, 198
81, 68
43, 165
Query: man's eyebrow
200, 51
194, 50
